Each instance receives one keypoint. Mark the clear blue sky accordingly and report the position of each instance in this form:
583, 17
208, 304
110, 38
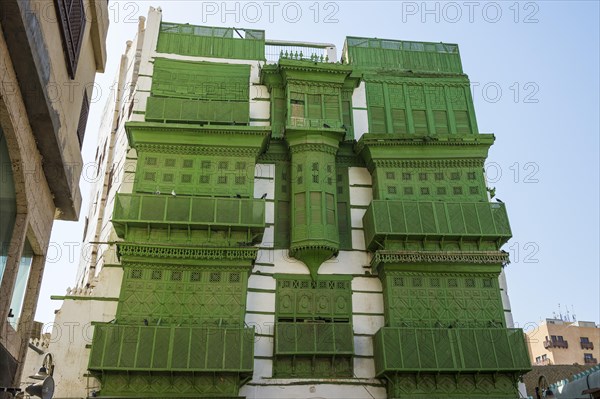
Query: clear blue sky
534, 68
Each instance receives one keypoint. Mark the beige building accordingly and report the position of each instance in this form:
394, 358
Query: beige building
561, 342
50, 52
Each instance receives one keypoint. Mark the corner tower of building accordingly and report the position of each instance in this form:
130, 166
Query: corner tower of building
434, 236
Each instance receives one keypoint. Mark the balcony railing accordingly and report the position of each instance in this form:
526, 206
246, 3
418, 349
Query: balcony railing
416, 56
315, 52
543, 362
435, 220
409, 350
556, 344
587, 345
141, 210
590, 360
314, 339
173, 349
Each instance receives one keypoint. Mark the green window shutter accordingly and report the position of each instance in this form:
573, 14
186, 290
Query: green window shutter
282, 206
463, 126
332, 108
420, 121
347, 119
300, 208
278, 110
315, 207
72, 21
399, 121
314, 106
377, 120
297, 105
441, 122
343, 208
330, 208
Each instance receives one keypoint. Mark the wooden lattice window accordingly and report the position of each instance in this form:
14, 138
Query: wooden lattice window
71, 16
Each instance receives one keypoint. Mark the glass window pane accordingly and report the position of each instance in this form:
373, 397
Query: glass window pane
8, 203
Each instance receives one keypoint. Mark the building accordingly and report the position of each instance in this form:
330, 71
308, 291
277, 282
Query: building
556, 341
273, 222
542, 377
49, 55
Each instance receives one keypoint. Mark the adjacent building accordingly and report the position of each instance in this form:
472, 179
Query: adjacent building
556, 341
274, 220
49, 55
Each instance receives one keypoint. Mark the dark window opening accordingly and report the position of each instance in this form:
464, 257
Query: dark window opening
71, 16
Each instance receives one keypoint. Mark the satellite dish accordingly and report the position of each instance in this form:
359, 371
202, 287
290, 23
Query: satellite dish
44, 390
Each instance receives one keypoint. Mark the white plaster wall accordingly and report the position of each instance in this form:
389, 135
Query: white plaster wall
356, 217
367, 324
370, 284
358, 240
363, 346
361, 122
359, 96
359, 176
260, 301
347, 262
361, 196
367, 303
317, 389
259, 109
261, 282
72, 332
268, 237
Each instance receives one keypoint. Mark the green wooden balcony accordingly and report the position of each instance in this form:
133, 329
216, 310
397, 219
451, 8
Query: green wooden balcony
410, 220
316, 339
173, 349
168, 109
162, 211
410, 350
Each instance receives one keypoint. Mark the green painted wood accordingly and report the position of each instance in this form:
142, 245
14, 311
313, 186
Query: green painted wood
343, 207
166, 211
200, 80
199, 92
147, 348
282, 205
204, 41
434, 221
179, 110
404, 105
177, 295
404, 55
456, 350
313, 331
453, 298
319, 339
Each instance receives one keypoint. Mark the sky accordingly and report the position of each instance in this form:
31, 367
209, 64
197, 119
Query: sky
534, 71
